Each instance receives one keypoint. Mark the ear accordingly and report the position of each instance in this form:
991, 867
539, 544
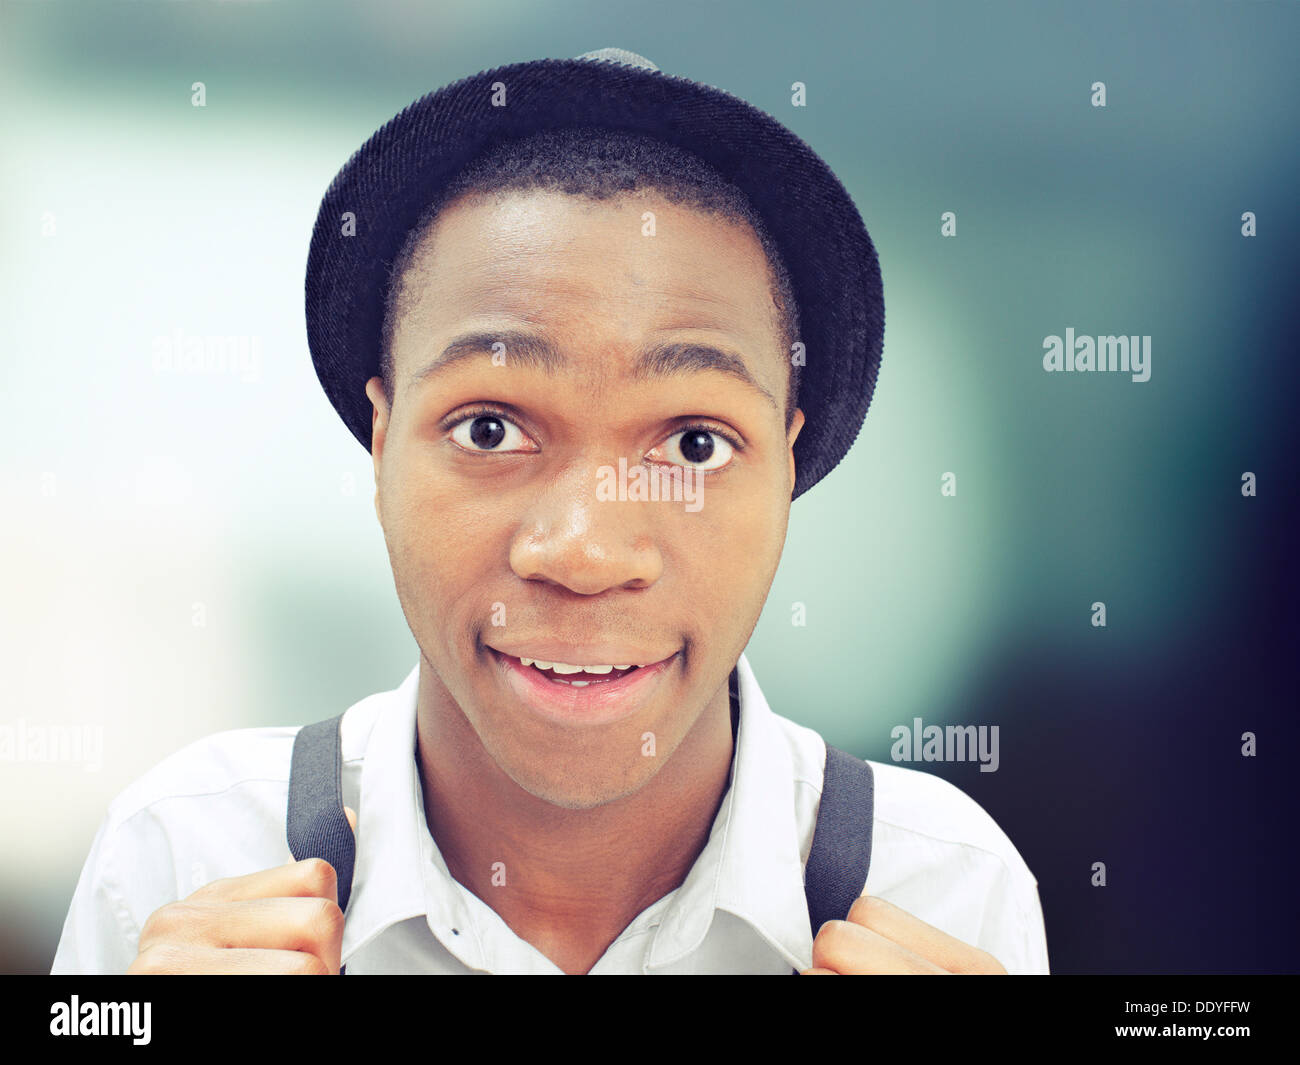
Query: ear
378, 431
796, 423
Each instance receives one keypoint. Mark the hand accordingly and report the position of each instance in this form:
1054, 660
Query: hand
878, 937
281, 920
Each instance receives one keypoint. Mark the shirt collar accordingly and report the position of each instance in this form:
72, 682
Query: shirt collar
387, 886
750, 866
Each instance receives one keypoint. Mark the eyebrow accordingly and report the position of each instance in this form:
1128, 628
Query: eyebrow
656, 360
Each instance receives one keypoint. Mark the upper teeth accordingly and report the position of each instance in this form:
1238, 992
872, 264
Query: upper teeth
564, 667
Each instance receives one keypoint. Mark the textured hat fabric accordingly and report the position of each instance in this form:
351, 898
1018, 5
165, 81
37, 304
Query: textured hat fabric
392, 178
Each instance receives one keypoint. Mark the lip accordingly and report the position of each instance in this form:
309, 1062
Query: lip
599, 703
580, 655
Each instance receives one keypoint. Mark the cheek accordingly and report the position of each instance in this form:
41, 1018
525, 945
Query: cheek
730, 553
442, 541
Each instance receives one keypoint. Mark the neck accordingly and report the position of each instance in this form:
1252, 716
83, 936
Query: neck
576, 878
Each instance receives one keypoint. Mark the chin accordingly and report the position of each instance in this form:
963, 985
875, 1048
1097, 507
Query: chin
573, 793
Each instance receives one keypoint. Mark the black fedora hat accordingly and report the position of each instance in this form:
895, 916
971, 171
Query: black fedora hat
393, 177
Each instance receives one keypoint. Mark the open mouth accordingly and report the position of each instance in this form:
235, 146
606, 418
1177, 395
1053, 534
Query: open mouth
582, 692
578, 676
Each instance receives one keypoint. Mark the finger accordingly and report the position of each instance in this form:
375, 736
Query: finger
310, 925
310, 877
870, 911
819, 972
207, 961
852, 950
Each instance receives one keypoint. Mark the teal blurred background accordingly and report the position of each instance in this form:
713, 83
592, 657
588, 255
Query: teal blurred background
190, 552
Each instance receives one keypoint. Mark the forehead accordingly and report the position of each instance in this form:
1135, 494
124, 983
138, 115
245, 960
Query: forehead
615, 272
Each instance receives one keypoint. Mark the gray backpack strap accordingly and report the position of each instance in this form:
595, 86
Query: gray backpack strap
316, 826
841, 848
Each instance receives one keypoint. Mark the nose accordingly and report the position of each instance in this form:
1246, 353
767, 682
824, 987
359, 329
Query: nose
571, 538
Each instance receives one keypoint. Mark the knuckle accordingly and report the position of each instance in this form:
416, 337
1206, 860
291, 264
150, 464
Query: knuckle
308, 965
827, 944
157, 959
318, 876
209, 889
167, 920
866, 908
833, 931
858, 911
976, 961
152, 925
325, 921
186, 917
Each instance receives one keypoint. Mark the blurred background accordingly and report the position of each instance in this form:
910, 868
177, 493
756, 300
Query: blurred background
184, 552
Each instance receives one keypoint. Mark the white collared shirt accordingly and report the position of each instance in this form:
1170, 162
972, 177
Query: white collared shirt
217, 809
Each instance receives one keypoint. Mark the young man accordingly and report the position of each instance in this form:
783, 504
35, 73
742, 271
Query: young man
566, 306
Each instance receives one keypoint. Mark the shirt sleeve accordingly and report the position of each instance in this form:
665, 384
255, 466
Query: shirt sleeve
941, 857
1013, 930
99, 934
1035, 956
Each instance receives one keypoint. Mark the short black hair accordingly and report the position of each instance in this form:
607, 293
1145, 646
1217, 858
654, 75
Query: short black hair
597, 163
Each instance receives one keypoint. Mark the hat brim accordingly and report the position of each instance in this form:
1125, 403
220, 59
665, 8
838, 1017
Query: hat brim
392, 178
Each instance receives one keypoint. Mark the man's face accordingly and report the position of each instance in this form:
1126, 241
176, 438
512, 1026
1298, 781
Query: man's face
489, 476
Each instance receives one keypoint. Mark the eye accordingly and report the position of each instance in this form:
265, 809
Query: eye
697, 448
487, 432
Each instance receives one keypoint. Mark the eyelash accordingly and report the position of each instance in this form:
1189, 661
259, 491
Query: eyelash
481, 411
486, 410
